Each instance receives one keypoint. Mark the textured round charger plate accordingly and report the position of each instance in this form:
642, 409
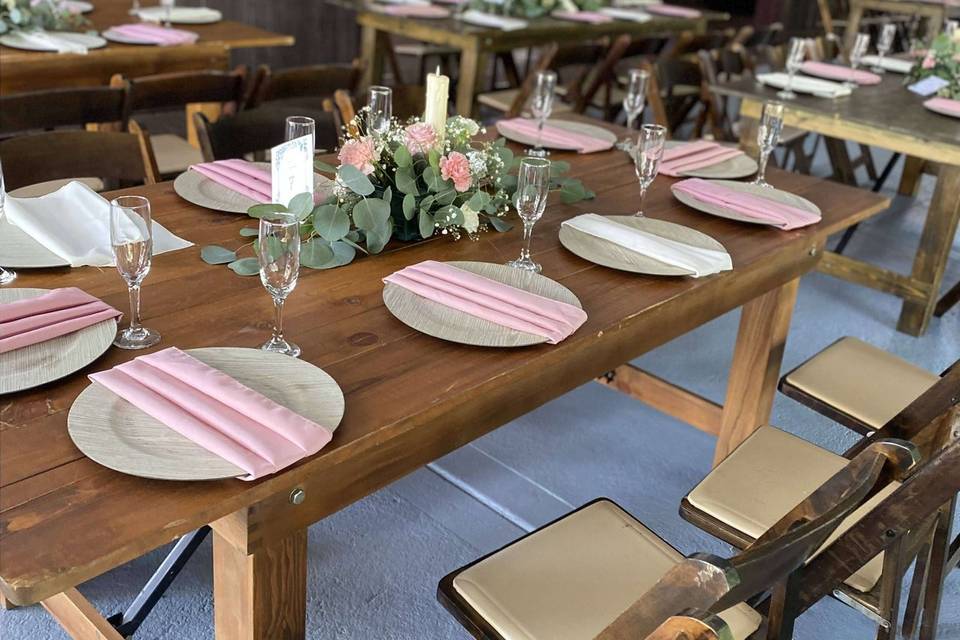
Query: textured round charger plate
113, 36
739, 167
15, 41
767, 193
200, 190
440, 321
181, 15
51, 360
609, 254
20, 251
575, 127
116, 434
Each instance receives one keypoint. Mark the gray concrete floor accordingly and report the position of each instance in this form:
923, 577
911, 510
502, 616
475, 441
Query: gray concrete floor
375, 565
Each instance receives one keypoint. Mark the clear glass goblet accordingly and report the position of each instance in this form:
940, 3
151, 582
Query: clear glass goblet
647, 156
381, 111
860, 45
131, 237
884, 44
768, 137
795, 54
533, 184
541, 106
278, 251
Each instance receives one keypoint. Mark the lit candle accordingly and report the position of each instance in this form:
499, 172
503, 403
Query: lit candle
438, 93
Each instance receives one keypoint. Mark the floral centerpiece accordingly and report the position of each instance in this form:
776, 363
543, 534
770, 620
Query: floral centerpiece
531, 9
943, 60
50, 15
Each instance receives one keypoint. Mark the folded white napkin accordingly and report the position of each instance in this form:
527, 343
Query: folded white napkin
52, 41
179, 14
481, 19
701, 262
633, 15
74, 223
805, 84
897, 65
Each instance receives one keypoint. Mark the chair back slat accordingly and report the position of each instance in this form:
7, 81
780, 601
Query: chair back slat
255, 130
315, 81
169, 91
54, 108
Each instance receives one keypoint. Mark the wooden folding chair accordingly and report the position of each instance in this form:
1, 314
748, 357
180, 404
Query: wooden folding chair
512, 102
305, 86
253, 131
599, 573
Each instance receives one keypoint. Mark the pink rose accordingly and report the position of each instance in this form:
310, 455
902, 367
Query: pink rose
928, 62
420, 137
359, 153
456, 167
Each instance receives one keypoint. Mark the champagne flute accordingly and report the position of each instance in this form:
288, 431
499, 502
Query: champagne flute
636, 97
134, 8
167, 12
795, 55
381, 111
6, 277
646, 157
860, 45
541, 106
278, 250
131, 237
768, 137
950, 28
533, 184
299, 126
884, 44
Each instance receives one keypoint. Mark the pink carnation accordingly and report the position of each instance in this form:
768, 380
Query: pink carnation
420, 137
928, 62
359, 153
456, 167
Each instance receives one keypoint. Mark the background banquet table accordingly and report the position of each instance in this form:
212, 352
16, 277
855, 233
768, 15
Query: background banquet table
410, 398
888, 116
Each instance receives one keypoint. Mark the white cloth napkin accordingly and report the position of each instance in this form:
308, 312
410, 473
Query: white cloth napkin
897, 65
702, 262
633, 15
481, 19
805, 84
179, 14
74, 223
52, 41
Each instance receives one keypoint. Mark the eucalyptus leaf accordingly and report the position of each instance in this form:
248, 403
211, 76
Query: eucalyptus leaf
301, 205
406, 182
331, 222
354, 180
323, 167
558, 168
409, 206
353, 242
245, 267
370, 213
431, 177
506, 156
378, 237
214, 254
387, 196
402, 157
261, 210
426, 224
343, 253
478, 201
447, 197
315, 253
499, 223
249, 232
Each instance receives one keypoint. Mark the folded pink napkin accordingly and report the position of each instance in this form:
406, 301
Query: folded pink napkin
776, 213
155, 34
671, 10
591, 17
695, 155
945, 106
239, 175
240, 425
839, 72
54, 314
415, 11
490, 300
555, 136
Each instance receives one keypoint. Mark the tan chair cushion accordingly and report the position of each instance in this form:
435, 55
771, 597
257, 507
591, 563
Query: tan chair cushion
767, 476
174, 154
43, 188
503, 99
572, 578
861, 381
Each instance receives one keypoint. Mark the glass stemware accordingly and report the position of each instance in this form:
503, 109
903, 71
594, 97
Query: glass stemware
636, 97
6, 277
795, 55
299, 126
381, 111
541, 106
646, 157
860, 45
884, 44
131, 237
167, 12
134, 8
533, 184
768, 137
950, 28
278, 251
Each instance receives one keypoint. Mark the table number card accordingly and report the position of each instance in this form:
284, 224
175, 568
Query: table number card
292, 169
928, 86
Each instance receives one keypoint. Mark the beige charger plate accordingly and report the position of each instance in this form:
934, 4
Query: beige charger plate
440, 321
576, 127
775, 195
51, 360
15, 41
609, 254
202, 191
116, 434
739, 167
18, 250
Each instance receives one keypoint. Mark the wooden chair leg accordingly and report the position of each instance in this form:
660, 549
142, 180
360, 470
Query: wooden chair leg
910, 178
948, 301
783, 610
918, 589
890, 583
937, 571
6, 604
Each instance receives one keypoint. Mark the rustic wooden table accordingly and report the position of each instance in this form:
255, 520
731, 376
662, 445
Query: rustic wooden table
33, 70
889, 116
410, 398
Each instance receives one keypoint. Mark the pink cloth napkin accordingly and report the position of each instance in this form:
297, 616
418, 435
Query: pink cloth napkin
555, 136
944, 105
240, 425
778, 214
156, 34
839, 72
490, 300
695, 155
591, 17
671, 10
54, 314
415, 11
239, 175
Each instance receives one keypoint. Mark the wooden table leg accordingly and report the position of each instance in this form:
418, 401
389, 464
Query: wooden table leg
473, 64
935, 243
764, 322
78, 617
261, 595
371, 51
